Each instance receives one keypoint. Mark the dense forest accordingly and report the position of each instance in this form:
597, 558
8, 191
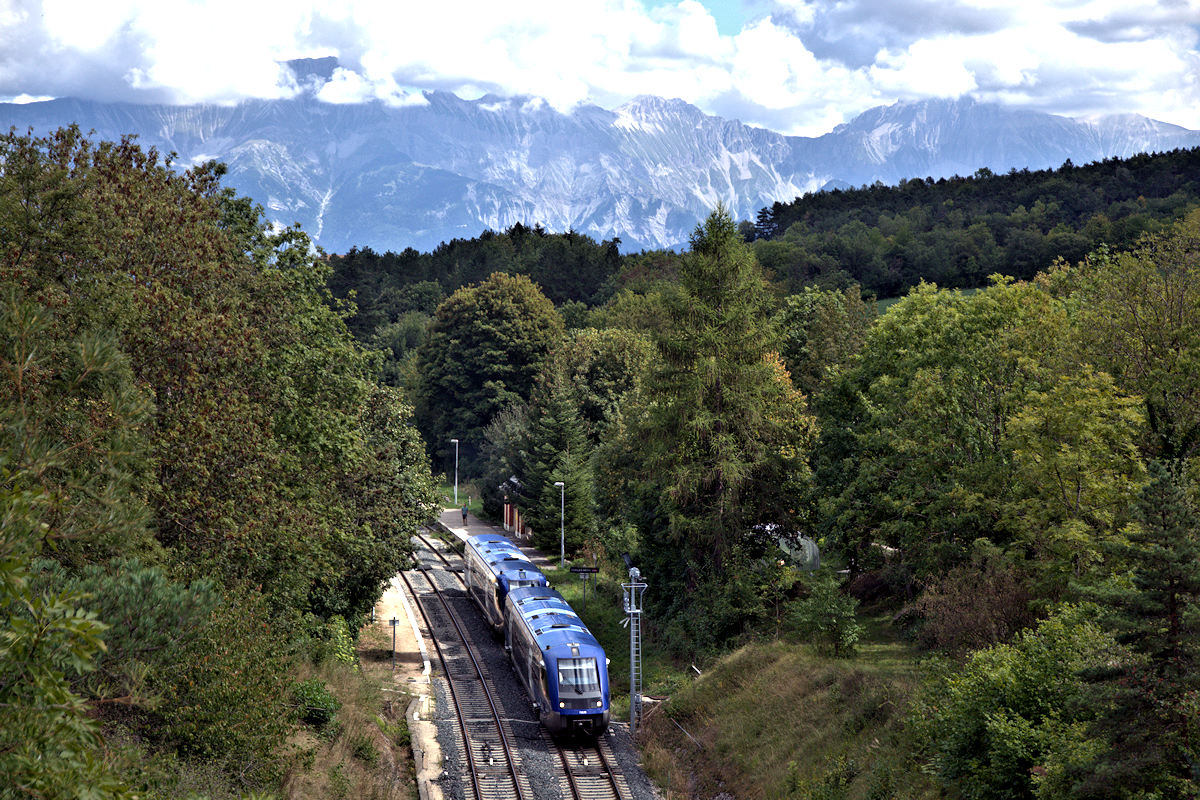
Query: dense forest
1008, 472
955, 232
202, 486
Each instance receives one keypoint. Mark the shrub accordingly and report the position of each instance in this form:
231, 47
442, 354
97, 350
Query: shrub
396, 730
973, 607
314, 703
364, 749
1015, 710
226, 696
826, 616
336, 642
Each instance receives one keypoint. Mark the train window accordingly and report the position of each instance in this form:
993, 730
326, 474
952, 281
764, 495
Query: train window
578, 675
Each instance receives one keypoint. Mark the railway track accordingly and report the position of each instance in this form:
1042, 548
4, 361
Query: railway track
589, 768
492, 763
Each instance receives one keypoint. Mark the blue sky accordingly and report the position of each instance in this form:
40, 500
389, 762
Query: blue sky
795, 66
731, 16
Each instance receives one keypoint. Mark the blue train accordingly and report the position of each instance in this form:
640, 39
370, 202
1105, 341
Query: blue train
559, 661
494, 567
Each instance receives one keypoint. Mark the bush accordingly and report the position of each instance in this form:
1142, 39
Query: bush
364, 750
314, 703
973, 607
226, 696
826, 616
1015, 707
395, 730
336, 643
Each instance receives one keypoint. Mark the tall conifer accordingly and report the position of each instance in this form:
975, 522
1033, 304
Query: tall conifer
1150, 703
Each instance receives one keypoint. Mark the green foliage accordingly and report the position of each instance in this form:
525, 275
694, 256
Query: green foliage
150, 620
825, 616
570, 267
602, 370
315, 704
958, 231
363, 748
1077, 471
395, 730
1148, 703
557, 451
502, 456
1139, 320
399, 341
923, 464
821, 330
49, 746
194, 440
721, 415
1014, 709
336, 643
486, 346
226, 695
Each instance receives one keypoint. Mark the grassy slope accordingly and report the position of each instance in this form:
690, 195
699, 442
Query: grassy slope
778, 720
771, 720
365, 752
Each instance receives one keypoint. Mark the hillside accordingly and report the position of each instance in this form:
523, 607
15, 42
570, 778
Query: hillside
958, 231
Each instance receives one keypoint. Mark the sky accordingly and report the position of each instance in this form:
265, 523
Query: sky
799, 67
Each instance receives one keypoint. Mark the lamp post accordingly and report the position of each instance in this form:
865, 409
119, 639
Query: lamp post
455, 470
562, 524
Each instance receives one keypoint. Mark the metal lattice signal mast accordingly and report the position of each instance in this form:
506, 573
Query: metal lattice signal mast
633, 611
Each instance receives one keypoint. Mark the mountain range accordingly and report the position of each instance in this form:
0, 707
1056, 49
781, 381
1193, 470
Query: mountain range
391, 177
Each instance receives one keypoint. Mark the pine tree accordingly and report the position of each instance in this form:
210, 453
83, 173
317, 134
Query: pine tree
1150, 702
710, 419
558, 451
721, 439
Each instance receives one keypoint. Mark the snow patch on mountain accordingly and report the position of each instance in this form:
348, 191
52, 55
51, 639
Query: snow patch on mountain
389, 177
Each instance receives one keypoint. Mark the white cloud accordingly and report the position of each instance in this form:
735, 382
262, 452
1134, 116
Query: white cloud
801, 66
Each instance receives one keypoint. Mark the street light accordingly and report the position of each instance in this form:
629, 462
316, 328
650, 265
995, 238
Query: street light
455, 470
562, 524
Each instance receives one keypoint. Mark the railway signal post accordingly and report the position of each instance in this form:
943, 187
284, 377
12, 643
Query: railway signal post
393, 622
633, 611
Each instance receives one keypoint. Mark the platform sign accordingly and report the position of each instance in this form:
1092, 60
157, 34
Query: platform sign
585, 570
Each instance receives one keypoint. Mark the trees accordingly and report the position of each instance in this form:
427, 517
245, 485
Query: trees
723, 431
1149, 702
1140, 321
821, 329
1013, 713
557, 449
931, 400
485, 348
178, 388
1076, 474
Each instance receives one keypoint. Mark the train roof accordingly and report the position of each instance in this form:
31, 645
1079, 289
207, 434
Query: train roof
519, 570
490, 543
504, 560
552, 621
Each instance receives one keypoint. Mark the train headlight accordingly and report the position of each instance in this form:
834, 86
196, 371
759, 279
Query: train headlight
561, 704
599, 703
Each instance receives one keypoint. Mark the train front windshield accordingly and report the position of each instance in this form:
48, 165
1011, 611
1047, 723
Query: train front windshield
578, 675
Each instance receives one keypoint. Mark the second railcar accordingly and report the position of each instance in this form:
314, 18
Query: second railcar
494, 567
558, 659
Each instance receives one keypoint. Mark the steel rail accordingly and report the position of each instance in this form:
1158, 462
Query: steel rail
505, 746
